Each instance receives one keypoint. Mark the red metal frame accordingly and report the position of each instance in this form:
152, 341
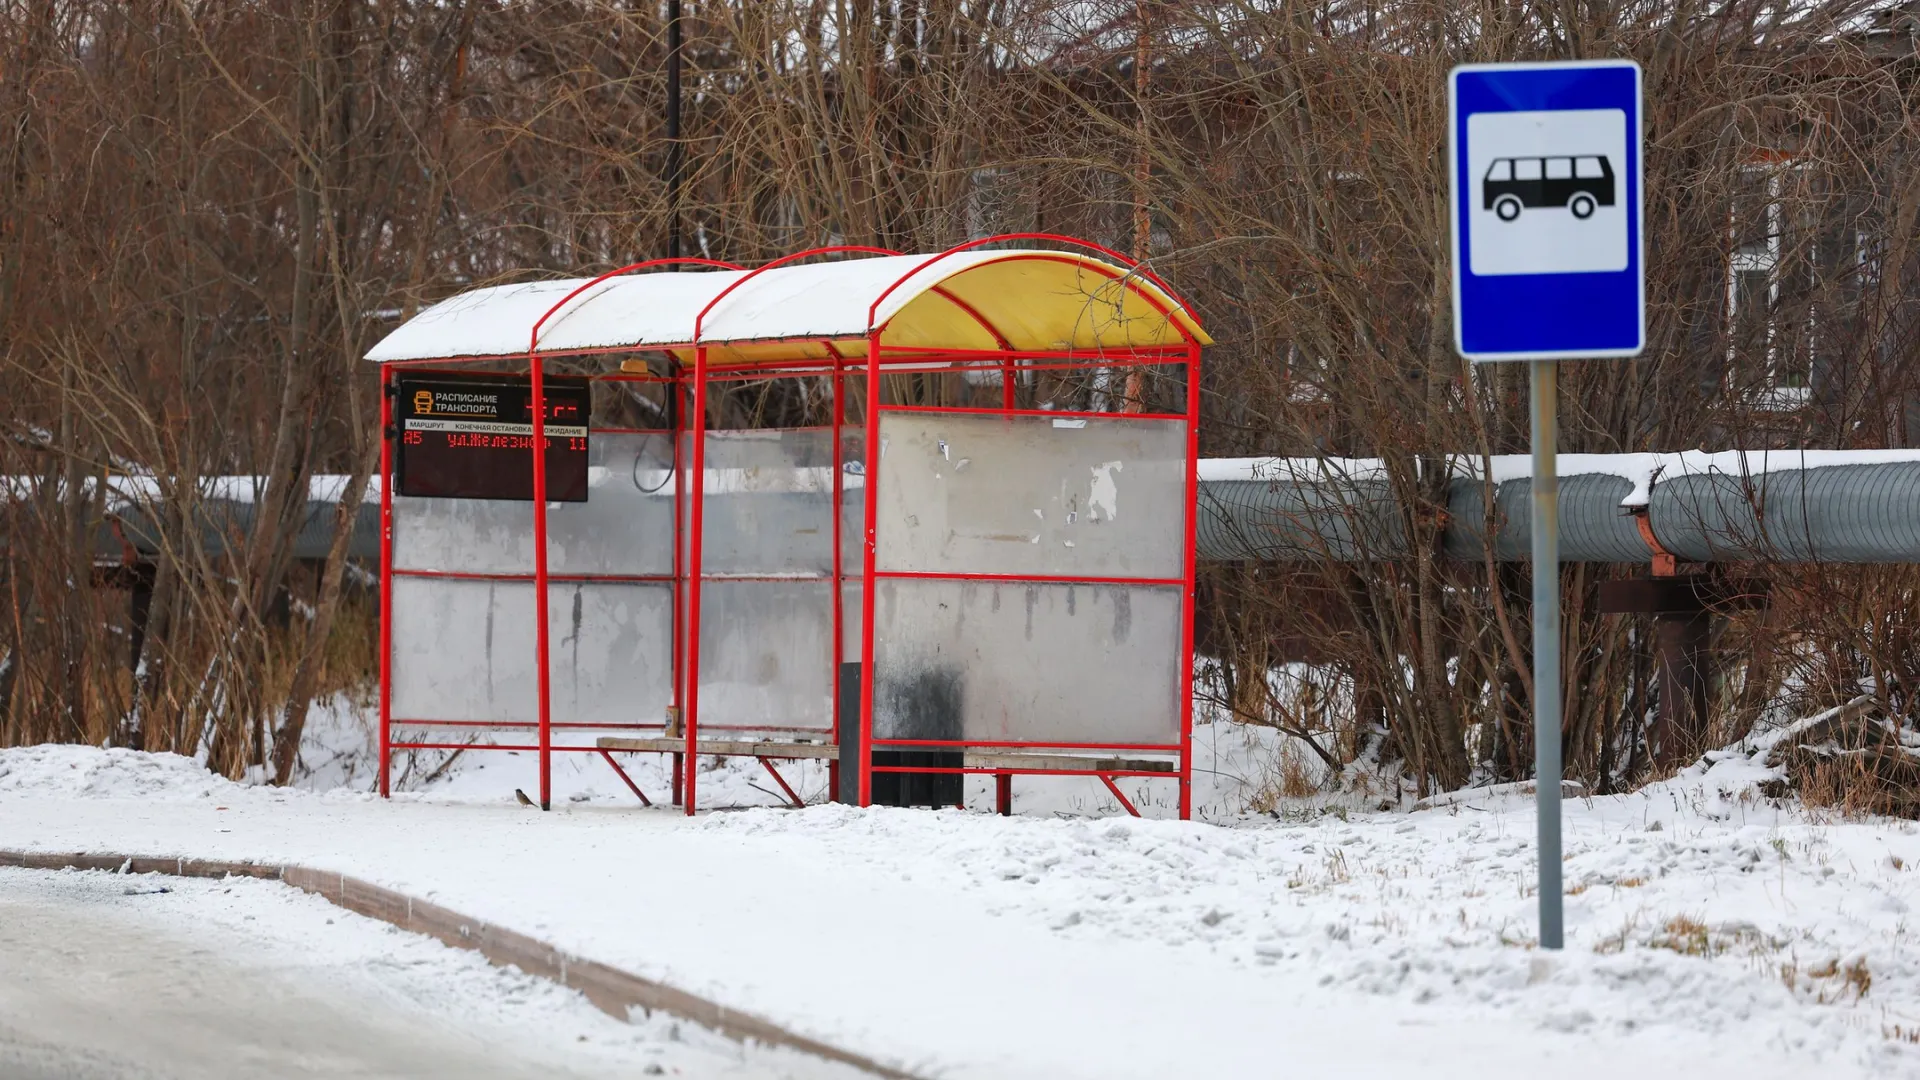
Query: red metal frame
386, 577
1058, 414
1139, 354
1043, 579
696, 532
870, 514
537, 364
689, 390
838, 410
485, 575
1151, 748
1185, 674
1100, 359
513, 725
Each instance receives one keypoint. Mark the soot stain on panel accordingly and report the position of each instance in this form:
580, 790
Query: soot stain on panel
1122, 614
489, 639
573, 638
925, 704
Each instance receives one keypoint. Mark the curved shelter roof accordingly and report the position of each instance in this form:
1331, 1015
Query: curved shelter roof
1027, 300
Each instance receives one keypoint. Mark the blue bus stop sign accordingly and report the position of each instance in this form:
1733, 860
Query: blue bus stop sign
1544, 171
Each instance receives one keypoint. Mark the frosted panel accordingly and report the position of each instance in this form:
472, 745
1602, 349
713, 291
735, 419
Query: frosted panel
853, 501
766, 654
463, 650
1032, 495
768, 501
1027, 662
624, 527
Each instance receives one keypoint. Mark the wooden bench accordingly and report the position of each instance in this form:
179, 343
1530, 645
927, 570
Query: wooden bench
779, 749
767, 751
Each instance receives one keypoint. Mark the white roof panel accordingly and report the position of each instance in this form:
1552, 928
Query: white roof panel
812, 300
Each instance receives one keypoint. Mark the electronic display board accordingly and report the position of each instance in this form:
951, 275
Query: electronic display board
471, 437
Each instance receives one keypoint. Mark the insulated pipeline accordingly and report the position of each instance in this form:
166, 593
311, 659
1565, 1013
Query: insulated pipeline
1864, 513
1840, 513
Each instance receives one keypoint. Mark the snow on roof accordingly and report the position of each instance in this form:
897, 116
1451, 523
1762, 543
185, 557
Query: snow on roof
1031, 299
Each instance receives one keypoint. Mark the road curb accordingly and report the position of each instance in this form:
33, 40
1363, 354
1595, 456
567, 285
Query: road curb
611, 990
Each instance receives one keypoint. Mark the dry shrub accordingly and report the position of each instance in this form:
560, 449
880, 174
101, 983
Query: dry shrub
1296, 776
1289, 778
1855, 763
1859, 783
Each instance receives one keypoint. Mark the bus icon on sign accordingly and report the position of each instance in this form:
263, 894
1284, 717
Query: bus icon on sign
1578, 183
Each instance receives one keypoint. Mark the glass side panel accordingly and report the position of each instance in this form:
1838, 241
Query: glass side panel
1027, 662
624, 527
969, 493
850, 615
768, 501
463, 650
766, 654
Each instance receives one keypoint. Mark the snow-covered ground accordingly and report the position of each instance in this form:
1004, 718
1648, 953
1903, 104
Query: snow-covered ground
1710, 932
109, 975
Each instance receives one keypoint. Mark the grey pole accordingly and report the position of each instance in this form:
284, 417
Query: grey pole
1545, 395
675, 152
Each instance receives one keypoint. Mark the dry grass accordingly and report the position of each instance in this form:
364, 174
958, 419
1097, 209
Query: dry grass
1685, 935
1831, 981
1688, 935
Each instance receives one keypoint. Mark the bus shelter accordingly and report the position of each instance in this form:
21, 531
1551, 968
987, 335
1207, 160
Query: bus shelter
981, 562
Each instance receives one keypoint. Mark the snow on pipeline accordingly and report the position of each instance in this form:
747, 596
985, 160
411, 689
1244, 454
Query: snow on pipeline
1708, 927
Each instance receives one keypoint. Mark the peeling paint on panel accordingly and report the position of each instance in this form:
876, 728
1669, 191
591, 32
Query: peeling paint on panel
1103, 502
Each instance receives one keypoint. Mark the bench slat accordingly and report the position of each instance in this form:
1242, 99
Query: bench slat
973, 759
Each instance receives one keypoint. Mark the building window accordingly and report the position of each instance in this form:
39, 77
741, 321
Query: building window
1770, 278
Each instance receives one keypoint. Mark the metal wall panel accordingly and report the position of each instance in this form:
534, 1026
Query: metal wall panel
1032, 495
463, 650
624, 527
766, 654
768, 501
1027, 662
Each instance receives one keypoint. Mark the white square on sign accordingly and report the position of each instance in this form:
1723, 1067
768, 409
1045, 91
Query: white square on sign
1548, 191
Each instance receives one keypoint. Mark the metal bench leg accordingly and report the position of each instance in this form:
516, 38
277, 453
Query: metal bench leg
631, 786
677, 758
1115, 788
1003, 794
767, 764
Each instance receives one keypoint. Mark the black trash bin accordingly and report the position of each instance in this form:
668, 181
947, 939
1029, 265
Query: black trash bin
931, 703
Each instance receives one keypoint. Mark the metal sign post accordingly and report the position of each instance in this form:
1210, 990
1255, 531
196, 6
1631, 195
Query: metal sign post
1544, 172
1544, 397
